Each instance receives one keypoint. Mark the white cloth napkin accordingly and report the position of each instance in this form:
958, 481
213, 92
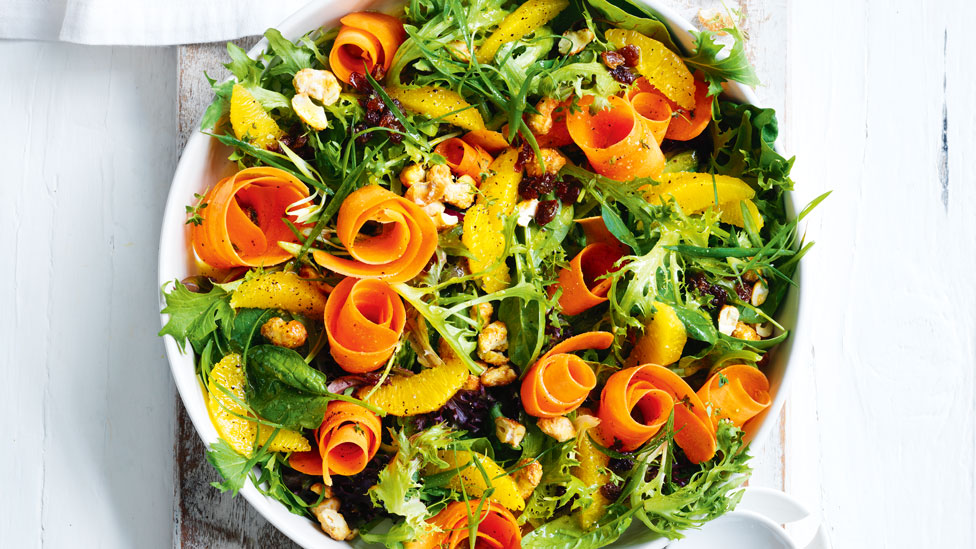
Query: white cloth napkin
140, 22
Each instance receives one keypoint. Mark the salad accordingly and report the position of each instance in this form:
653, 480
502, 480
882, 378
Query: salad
490, 273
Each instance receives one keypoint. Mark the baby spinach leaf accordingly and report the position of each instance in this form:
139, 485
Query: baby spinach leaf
524, 320
697, 324
246, 324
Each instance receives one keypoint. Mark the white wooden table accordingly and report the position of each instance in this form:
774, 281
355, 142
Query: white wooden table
876, 99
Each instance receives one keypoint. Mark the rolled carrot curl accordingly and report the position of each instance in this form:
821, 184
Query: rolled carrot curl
685, 124
615, 140
497, 527
242, 221
581, 289
655, 111
348, 438
364, 319
464, 158
397, 251
366, 40
559, 381
737, 393
637, 402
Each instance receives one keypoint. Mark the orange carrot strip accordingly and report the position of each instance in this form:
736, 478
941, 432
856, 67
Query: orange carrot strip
654, 392
497, 527
242, 221
581, 289
559, 382
348, 438
595, 231
309, 462
615, 140
405, 243
488, 140
364, 319
655, 111
736, 393
366, 40
464, 158
686, 125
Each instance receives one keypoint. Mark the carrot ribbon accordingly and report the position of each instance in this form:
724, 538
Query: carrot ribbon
637, 402
559, 381
737, 393
496, 527
615, 140
464, 158
581, 289
242, 220
366, 40
348, 438
404, 244
685, 124
364, 319
655, 111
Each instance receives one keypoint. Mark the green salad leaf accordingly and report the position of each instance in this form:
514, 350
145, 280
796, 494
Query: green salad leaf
720, 64
194, 316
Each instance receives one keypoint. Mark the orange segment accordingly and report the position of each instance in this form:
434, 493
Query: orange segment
505, 489
423, 392
660, 66
280, 290
250, 121
663, 340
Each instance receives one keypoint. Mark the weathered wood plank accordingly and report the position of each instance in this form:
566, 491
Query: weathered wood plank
202, 516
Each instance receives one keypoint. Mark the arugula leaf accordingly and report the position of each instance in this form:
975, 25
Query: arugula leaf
565, 533
293, 57
709, 57
195, 316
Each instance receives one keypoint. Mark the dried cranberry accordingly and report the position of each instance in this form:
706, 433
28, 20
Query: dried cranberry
545, 183
698, 282
611, 491
379, 72
358, 129
612, 59
546, 212
623, 75
620, 465
744, 292
527, 189
631, 54
358, 81
567, 190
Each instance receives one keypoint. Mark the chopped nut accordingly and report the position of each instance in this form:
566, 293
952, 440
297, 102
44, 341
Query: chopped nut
764, 329
289, 335
715, 19
471, 383
527, 476
317, 84
728, 317
496, 377
751, 275
559, 428
525, 210
745, 331
541, 123
414, 173
492, 341
553, 160
759, 293
310, 113
461, 192
459, 50
331, 521
573, 42
439, 175
482, 313
436, 212
509, 432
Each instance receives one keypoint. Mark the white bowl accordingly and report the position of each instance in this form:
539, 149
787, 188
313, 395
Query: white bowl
204, 162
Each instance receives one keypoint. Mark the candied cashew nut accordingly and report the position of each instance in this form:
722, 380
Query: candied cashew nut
461, 192
413, 174
745, 331
492, 342
289, 335
573, 42
309, 112
497, 377
509, 431
541, 123
553, 160
317, 84
559, 428
527, 477
327, 512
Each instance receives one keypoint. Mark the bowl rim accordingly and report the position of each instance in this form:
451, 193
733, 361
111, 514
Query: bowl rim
173, 264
